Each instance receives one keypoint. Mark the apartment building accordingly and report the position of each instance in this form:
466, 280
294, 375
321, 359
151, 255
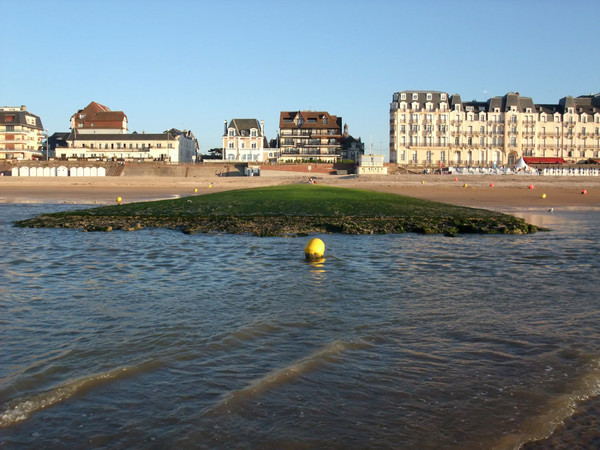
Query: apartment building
244, 140
21, 133
310, 136
432, 128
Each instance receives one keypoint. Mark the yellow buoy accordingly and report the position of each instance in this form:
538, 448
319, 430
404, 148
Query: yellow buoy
119, 200
195, 189
422, 182
464, 185
543, 195
210, 185
315, 249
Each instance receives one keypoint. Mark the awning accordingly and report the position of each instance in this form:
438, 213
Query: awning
543, 160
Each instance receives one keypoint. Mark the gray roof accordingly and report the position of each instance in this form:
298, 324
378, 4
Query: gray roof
436, 98
119, 136
588, 104
245, 125
19, 118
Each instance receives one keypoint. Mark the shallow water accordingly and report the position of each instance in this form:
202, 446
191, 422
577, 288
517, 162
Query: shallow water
159, 339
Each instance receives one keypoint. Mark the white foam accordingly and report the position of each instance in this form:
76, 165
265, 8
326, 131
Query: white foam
22, 409
555, 412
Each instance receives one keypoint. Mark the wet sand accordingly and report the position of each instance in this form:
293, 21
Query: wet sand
476, 191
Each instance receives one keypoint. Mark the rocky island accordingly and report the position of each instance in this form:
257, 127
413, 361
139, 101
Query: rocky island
290, 210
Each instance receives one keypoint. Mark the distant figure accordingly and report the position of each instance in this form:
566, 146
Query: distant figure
551, 209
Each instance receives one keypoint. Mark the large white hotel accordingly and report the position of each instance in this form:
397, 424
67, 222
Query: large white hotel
432, 128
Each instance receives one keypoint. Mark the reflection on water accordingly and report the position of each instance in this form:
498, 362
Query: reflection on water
156, 338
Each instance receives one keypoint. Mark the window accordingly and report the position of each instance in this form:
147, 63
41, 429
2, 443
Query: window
10, 128
415, 96
428, 96
231, 145
253, 133
231, 132
428, 156
513, 141
403, 96
443, 96
443, 156
254, 145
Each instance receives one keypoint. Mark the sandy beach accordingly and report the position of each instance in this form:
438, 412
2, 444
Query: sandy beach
491, 192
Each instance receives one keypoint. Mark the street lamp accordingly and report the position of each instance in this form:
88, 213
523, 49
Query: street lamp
47, 145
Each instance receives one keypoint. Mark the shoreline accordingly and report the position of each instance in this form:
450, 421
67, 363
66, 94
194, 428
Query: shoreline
469, 190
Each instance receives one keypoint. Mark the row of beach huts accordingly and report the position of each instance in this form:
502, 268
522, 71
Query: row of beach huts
60, 171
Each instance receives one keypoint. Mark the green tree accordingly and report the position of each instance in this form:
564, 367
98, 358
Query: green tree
215, 153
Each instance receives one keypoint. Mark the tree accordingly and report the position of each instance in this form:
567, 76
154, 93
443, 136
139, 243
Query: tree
215, 153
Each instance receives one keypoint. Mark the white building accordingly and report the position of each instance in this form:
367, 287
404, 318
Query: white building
244, 140
172, 146
431, 128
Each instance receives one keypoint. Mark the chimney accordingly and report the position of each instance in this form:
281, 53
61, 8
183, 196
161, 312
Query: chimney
262, 128
23, 108
224, 128
345, 130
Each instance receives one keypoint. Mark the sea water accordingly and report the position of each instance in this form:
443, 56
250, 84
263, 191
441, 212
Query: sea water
158, 339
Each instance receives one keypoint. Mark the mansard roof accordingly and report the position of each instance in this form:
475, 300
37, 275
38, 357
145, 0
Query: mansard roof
584, 104
310, 119
245, 125
20, 118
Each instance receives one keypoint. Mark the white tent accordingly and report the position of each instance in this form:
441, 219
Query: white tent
521, 164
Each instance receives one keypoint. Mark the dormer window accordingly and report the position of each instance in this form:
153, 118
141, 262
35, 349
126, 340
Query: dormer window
428, 96
402, 96
325, 120
231, 132
443, 96
253, 132
415, 96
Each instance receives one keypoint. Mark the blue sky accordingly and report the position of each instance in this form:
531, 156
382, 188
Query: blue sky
193, 64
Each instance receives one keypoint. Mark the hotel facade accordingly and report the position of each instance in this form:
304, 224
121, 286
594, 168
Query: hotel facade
433, 128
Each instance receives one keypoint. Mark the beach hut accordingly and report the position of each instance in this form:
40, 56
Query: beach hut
62, 171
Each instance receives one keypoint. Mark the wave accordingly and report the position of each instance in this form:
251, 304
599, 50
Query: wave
22, 409
282, 376
555, 412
